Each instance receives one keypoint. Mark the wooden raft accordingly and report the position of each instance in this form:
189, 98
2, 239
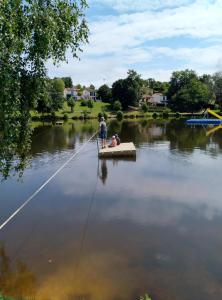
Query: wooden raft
123, 150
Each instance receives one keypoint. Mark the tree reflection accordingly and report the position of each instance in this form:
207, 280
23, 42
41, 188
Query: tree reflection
18, 282
15, 141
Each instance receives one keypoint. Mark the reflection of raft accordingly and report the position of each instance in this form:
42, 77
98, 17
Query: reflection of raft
123, 150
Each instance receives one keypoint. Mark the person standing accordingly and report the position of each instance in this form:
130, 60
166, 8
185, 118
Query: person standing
103, 132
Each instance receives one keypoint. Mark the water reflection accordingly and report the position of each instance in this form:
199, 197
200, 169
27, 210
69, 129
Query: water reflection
15, 282
103, 171
15, 141
151, 225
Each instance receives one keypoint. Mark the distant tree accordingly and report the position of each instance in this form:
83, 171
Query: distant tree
209, 82
79, 89
105, 93
157, 86
128, 91
117, 106
57, 94
217, 83
144, 107
68, 82
191, 97
71, 103
178, 80
90, 104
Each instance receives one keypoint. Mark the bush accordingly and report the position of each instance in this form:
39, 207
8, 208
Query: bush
53, 115
155, 115
83, 102
100, 115
117, 106
105, 115
65, 117
119, 115
145, 107
177, 115
90, 104
132, 116
165, 115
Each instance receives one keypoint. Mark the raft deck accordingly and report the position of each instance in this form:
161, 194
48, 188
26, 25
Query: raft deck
122, 150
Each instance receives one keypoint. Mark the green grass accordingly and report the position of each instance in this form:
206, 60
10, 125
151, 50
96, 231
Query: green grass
79, 110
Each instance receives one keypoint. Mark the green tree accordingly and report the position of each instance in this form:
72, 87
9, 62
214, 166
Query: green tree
57, 94
144, 107
105, 93
178, 80
117, 106
31, 33
71, 103
192, 97
217, 83
209, 82
128, 91
187, 92
90, 104
67, 81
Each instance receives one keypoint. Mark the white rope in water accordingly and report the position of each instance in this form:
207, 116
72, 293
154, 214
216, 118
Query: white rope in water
44, 184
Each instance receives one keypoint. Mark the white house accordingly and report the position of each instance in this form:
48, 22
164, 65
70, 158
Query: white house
87, 93
156, 99
71, 92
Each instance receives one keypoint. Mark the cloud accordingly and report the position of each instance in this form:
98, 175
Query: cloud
120, 42
140, 5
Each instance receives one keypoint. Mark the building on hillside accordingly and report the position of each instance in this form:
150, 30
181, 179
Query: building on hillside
89, 94
155, 99
86, 93
71, 92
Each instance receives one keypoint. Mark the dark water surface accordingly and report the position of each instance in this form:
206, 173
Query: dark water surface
116, 229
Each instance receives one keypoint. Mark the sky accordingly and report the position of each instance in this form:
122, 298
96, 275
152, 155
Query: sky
153, 37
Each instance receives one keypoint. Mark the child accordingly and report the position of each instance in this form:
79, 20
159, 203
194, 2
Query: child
117, 139
113, 142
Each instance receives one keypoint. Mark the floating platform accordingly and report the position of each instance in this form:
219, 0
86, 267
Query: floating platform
123, 150
204, 121
60, 123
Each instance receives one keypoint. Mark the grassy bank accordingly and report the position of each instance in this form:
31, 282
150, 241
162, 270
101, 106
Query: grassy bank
84, 112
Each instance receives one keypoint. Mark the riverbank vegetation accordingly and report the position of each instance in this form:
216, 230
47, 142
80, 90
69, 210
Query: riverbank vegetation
186, 93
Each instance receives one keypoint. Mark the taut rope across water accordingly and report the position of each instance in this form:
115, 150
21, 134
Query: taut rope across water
46, 182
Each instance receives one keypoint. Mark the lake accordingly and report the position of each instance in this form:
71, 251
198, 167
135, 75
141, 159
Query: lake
116, 229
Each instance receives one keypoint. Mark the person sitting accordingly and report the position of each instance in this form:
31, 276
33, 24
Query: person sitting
113, 142
117, 139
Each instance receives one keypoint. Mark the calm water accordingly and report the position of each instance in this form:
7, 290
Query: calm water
116, 229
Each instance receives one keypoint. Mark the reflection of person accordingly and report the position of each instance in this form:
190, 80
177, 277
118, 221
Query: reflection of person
103, 132
104, 172
113, 142
117, 139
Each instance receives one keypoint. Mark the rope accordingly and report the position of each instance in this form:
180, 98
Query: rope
44, 184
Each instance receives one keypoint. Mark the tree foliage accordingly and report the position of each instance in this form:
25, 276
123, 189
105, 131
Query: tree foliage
187, 92
217, 82
71, 103
67, 81
31, 33
105, 93
128, 91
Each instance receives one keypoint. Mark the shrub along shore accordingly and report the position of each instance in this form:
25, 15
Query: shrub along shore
104, 109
